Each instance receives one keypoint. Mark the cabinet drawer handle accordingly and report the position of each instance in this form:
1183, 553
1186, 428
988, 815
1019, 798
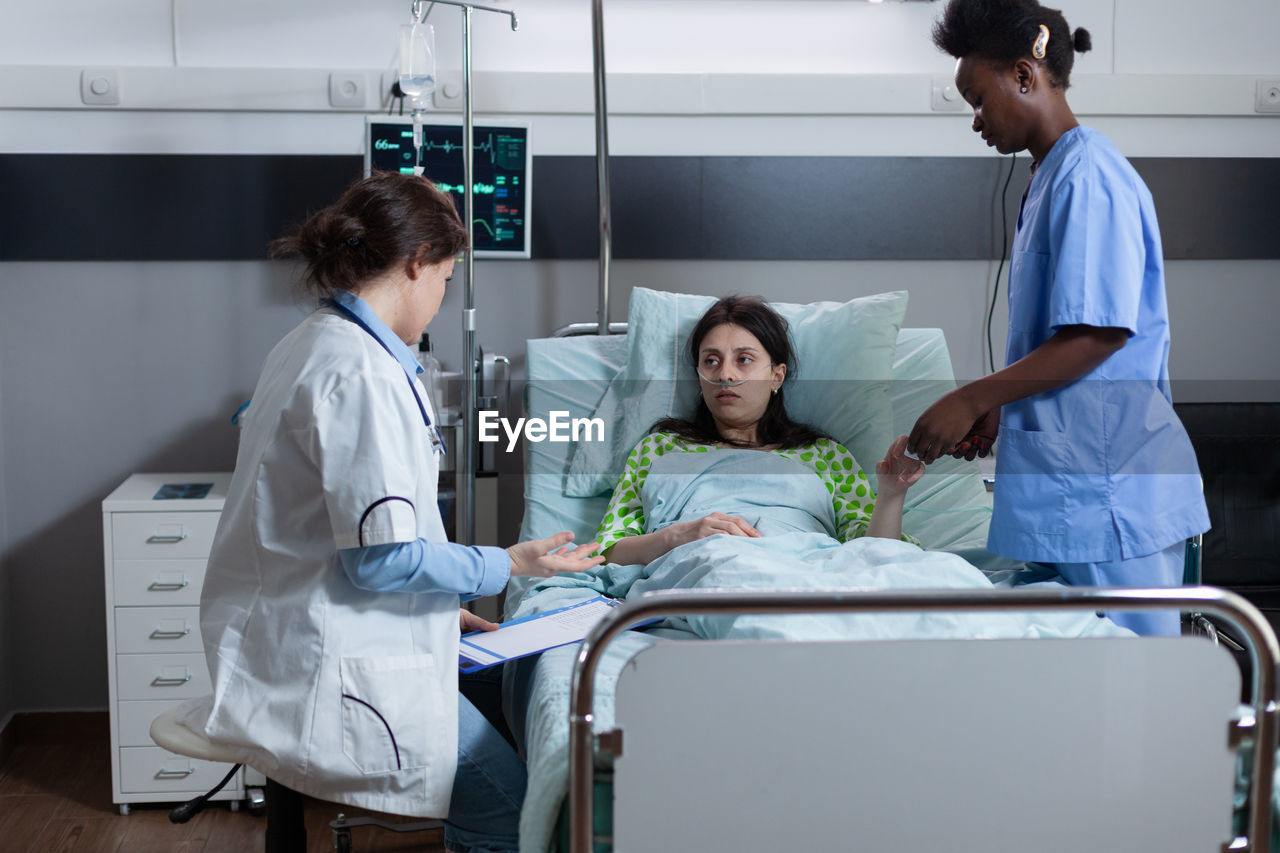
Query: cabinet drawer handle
174, 774
157, 586
169, 539
157, 634
162, 681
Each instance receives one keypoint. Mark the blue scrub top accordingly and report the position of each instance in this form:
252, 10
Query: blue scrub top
1100, 469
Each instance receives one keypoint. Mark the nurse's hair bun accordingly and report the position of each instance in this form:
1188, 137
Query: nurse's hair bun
1006, 31
385, 219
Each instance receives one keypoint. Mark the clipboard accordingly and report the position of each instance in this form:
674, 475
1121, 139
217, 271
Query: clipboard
533, 634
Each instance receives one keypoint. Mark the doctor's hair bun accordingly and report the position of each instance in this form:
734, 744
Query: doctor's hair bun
1004, 31
380, 221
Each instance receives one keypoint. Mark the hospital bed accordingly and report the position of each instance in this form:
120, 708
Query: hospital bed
877, 745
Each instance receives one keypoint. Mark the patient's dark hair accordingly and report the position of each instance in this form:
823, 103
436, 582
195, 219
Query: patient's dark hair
754, 315
1004, 31
382, 220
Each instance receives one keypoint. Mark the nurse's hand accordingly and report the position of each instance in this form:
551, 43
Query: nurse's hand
468, 622
981, 438
943, 425
542, 558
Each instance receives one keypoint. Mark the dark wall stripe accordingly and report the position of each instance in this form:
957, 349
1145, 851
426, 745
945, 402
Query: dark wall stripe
159, 207
229, 207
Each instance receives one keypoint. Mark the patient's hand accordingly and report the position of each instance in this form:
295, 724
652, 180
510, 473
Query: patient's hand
644, 548
897, 472
542, 558
701, 528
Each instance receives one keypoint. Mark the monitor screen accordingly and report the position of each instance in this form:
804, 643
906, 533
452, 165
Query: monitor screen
501, 174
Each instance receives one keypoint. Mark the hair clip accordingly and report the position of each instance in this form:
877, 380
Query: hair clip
1042, 43
353, 241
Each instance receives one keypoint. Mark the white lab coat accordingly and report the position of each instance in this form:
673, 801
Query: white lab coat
339, 693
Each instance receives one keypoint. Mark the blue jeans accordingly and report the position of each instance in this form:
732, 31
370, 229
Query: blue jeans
484, 815
1163, 568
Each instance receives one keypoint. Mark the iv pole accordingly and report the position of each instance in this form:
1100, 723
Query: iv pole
466, 500
602, 163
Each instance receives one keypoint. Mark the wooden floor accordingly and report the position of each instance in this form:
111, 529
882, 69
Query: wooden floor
55, 795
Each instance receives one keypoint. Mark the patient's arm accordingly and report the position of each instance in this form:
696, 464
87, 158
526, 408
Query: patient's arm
896, 473
647, 547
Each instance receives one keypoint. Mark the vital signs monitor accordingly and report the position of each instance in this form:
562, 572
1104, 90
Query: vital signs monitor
502, 171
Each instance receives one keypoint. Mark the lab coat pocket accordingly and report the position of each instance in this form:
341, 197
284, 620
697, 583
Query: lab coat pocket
1030, 494
388, 710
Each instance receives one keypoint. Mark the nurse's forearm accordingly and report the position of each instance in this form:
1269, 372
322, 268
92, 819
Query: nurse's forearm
1072, 352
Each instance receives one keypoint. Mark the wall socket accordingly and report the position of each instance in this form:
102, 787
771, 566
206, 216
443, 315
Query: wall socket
1266, 97
348, 89
100, 86
944, 98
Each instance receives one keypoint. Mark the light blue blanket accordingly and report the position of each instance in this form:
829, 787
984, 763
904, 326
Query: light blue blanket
791, 507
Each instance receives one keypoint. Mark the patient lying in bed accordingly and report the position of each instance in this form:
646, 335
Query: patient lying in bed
797, 512
742, 352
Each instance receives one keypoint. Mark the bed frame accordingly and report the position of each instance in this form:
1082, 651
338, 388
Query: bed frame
924, 745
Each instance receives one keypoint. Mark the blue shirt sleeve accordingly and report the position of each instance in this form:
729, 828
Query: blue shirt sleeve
471, 571
1098, 251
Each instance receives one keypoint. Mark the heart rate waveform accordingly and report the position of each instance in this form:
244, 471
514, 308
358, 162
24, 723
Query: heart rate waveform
477, 189
500, 175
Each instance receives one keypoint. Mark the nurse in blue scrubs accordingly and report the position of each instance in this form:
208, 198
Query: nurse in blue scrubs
1095, 474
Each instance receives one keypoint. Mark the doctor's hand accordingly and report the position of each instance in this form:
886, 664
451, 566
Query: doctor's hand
542, 558
468, 622
897, 472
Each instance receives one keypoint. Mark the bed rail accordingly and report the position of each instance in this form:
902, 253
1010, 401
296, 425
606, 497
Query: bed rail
1264, 652
573, 330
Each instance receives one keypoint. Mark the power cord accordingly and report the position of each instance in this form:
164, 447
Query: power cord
1004, 250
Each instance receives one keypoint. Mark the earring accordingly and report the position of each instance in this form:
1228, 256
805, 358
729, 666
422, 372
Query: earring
1023, 90
775, 390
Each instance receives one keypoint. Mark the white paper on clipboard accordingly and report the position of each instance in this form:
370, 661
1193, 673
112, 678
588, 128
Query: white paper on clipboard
533, 634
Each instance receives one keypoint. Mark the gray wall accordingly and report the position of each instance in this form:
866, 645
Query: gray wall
108, 369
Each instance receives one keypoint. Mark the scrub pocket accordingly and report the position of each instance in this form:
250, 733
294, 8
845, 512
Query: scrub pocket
1030, 494
387, 708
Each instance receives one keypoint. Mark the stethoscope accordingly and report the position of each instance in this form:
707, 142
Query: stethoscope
437, 438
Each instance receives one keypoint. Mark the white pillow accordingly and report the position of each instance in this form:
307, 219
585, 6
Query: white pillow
844, 353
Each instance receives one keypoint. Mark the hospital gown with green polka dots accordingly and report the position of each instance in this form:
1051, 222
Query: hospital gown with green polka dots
850, 490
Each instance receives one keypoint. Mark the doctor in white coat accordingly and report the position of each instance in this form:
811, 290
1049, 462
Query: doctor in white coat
330, 606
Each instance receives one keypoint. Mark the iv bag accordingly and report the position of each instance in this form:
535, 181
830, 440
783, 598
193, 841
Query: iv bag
417, 60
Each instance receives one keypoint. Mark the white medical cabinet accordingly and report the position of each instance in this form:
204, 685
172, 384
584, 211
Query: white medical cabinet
156, 548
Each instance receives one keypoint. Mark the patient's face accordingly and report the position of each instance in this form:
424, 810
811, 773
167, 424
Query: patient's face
736, 376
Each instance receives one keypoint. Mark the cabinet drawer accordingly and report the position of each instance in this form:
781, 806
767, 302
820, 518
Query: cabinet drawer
149, 582
156, 630
175, 676
162, 535
150, 769
133, 720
